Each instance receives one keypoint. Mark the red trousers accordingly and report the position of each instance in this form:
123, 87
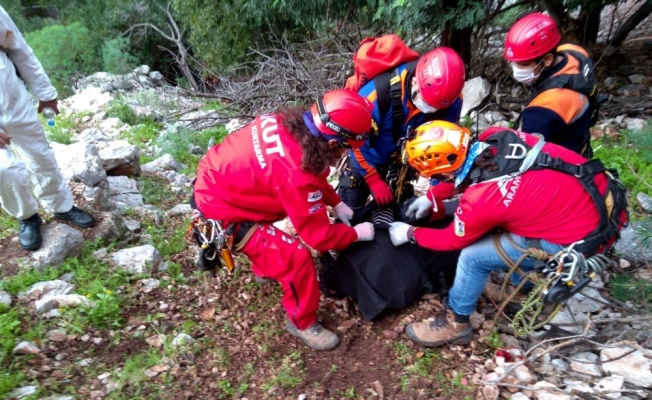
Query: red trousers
277, 255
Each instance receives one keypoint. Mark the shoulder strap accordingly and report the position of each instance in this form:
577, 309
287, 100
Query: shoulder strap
583, 81
389, 89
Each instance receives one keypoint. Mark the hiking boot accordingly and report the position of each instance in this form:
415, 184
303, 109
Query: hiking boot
29, 232
498, 295
447, 328
315, 336
77, 216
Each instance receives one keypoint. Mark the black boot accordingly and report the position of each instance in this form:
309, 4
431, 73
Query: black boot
29, 233
77, 216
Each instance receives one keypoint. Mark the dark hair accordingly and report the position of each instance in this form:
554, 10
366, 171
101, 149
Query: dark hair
317, 155
483, 161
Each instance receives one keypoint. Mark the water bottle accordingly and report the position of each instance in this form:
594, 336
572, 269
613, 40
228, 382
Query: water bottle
49, 115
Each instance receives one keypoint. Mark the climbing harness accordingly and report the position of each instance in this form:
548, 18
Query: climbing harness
555, 278
215, 242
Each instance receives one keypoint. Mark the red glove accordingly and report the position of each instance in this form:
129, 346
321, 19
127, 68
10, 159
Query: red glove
382, 194
438, 209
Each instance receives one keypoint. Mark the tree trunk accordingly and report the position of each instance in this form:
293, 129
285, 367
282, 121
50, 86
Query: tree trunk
589, 25
556, 10
632, 22
457, 39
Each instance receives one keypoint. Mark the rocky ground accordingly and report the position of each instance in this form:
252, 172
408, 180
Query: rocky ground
135, 319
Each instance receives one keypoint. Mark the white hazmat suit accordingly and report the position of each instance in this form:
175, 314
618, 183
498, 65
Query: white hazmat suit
29, 157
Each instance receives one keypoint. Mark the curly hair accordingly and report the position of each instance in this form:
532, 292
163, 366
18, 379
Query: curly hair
317, 155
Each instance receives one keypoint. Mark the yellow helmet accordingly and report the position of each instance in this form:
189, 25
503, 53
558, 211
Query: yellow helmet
436, 147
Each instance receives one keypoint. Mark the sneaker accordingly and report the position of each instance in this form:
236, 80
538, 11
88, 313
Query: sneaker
447, 328
77, 216
29, 232
498, 295
315, 336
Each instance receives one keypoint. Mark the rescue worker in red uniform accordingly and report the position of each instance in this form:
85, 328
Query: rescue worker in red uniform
559, 109
527, 203
276, 167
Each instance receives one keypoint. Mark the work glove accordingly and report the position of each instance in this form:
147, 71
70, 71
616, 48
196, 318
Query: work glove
381, 191
365, 231
398, 233
343, 213
424, 206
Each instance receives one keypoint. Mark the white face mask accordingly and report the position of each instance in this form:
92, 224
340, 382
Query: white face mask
422, 105
525, 75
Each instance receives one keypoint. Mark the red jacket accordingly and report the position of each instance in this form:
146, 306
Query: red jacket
542, 204
255, 175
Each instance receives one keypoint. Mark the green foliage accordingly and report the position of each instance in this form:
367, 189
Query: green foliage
8, 225
133, 372
288, 374
10, 328
105, 311
494, 341
645, 233
631, 152
142, 134
410, 17
58, 135
627, 287
221, 33
64, 51
155, 189
168, 242
26, 278
177, 142
423, 365
123, 111
116, 56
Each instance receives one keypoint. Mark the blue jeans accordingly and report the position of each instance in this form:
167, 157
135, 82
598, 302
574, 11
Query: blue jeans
476, 263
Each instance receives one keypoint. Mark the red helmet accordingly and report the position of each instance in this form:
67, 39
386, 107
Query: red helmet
531, 37
440, 77
343, 113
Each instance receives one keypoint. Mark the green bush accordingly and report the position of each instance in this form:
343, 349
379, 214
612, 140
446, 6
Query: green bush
177, 142
116, 57
123, 111
631, 156
64, 51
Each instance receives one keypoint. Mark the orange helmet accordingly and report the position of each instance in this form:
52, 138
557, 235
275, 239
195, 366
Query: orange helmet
437, 147
531, 37
440, 77
344, 115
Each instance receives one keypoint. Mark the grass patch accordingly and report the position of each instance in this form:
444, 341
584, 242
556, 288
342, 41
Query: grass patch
288, 374
155, 189
142, 134
631, 151
8, 225
58, 134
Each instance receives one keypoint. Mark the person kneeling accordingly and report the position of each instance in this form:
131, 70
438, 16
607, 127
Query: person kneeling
508, 181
